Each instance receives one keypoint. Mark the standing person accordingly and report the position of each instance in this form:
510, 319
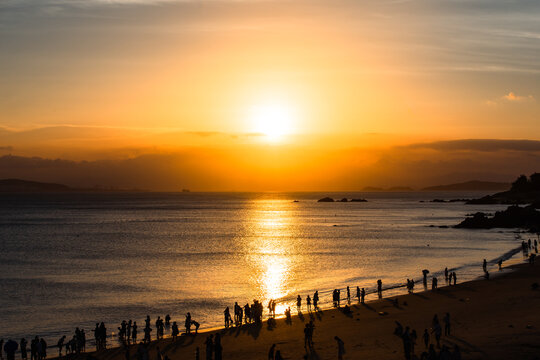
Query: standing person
437, 331
218, 349
23, 343
358, 293
298, 303
348, 295
227, 314
308, 303
363, 296
33, 348
167, 320
316, 299
341, 347
413, 340
209, 347
278, 355
10, 347
424, 275
379, 288
134, 332
406, 343
500, 264
446, 321
455, 278
484, 265
188, 323
426, 338
43, 348
175, 331
446, 274
434, 283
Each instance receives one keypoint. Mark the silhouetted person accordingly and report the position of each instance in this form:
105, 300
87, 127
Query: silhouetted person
43, 352
218, 349
298, 303
379, 288
209, 347
316, 300
188, 323
413, 340
174, 330
348, 295
363, 295
446, 274
308, 303
278, 355
455, 277
341, 347
227, 315
358, 293
10, 347
434, 283
134, 332
500, 264
446, 320
424, 274
437, 331
406, 343
484, 265
60, 345
425, 337
271, 352
167, 320
23, 344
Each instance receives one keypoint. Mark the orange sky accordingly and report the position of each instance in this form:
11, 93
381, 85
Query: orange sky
331, 84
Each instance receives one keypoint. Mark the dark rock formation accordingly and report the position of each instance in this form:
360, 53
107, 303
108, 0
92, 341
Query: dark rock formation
326, 199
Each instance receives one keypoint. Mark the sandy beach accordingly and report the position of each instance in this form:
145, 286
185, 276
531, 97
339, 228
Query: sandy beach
490, 319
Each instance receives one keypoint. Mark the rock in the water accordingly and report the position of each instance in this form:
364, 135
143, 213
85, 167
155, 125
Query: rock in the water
326, 199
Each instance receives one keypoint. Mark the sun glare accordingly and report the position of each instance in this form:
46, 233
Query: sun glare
274, 120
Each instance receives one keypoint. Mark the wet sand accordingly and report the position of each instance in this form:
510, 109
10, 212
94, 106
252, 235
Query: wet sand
491, 319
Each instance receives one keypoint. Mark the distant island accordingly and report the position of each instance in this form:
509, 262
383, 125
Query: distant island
18, 185
28, 186
393, 188
473, 185
523, 191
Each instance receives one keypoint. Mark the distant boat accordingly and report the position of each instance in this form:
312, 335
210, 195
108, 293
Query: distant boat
185, 190
295, 201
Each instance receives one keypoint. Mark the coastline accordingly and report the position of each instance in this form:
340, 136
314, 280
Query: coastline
491, 319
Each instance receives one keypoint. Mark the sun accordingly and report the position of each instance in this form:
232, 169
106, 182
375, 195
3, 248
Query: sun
273, 119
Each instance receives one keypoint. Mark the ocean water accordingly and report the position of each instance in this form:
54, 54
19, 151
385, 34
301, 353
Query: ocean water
70, 260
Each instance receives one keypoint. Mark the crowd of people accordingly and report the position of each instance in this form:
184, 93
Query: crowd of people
248, 314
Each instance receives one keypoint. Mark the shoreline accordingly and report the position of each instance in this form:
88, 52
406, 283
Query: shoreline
374, 322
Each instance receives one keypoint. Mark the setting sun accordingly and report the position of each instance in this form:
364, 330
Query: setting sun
274, 120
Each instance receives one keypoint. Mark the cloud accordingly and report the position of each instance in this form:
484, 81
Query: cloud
511, 96
483, 145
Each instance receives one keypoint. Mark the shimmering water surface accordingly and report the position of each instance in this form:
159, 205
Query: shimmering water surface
72, 260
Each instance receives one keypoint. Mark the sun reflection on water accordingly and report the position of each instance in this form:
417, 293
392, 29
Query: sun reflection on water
270, 250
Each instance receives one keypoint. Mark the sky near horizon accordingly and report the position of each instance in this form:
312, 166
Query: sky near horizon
83, 79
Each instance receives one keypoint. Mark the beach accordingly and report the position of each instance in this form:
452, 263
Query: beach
490, 319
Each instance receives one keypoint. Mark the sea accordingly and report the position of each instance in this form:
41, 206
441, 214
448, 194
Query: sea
71, 260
